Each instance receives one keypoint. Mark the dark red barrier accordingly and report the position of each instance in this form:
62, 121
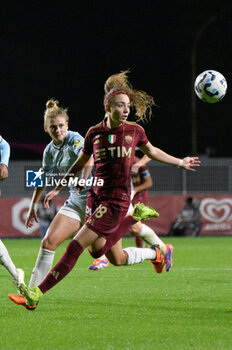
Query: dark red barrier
216, 214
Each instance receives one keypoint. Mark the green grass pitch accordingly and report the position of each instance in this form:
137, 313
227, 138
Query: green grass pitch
126, 307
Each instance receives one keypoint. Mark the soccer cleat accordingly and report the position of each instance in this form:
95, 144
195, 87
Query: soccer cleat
168, 257
99, 264
31, 307
21, 300
17, 299
143, 212
32, 295
19, 279
158, 262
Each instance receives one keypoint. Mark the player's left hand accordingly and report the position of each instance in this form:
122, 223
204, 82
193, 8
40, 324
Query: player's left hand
3, 172
189, 163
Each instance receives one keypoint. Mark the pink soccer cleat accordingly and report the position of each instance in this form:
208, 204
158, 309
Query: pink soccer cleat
99, 264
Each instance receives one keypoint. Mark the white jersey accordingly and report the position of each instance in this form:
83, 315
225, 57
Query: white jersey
61, 157
4, 151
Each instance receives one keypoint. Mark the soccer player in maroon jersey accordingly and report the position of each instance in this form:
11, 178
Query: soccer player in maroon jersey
143, 234
112, 142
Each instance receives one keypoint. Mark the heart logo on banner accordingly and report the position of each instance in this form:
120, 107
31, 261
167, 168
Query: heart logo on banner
216, 210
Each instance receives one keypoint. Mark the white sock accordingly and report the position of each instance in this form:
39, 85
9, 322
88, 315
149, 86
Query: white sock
150, 237
42, 267
6, 261
138, 255
102, 257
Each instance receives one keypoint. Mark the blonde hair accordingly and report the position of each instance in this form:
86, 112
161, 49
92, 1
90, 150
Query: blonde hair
53, 110
141, 101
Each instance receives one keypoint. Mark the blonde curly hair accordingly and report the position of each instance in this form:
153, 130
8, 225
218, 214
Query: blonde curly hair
53, 110
140, 100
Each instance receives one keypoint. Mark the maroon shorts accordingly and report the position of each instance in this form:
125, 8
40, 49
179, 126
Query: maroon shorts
104, 215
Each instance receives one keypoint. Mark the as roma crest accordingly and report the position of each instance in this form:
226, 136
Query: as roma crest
128, 139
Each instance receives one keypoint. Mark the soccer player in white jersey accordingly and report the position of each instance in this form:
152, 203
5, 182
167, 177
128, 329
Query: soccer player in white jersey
5, 259
59, 155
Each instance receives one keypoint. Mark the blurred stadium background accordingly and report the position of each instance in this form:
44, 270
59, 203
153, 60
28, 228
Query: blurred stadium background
67, 51
211, 184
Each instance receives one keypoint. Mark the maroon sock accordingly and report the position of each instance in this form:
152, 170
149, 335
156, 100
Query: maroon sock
63, 267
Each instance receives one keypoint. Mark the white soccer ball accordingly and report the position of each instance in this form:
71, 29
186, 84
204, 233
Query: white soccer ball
210, 86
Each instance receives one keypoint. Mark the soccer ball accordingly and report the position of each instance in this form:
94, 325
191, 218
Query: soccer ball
210, 86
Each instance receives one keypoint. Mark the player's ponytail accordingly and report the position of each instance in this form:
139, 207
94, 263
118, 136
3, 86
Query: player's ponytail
117, 81
119, 84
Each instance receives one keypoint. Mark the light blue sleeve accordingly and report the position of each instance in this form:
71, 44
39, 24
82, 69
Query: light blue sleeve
48, 161
77, 141
5, 151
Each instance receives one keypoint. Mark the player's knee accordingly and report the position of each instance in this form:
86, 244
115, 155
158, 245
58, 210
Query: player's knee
136, 228
48, 243
118, 260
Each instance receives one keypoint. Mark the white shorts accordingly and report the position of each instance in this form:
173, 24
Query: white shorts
72, 211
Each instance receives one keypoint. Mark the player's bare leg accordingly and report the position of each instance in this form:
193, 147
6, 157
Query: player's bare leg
132, 255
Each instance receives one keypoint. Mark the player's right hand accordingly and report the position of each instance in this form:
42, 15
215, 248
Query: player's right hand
49, 197
31, 218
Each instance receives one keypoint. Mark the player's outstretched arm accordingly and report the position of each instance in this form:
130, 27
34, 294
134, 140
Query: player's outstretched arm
188, 163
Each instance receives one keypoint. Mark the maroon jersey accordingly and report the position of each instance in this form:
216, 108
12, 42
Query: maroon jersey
114, 151
137, 180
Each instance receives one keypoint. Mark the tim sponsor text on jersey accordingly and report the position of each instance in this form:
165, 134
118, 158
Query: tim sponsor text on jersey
114, 151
